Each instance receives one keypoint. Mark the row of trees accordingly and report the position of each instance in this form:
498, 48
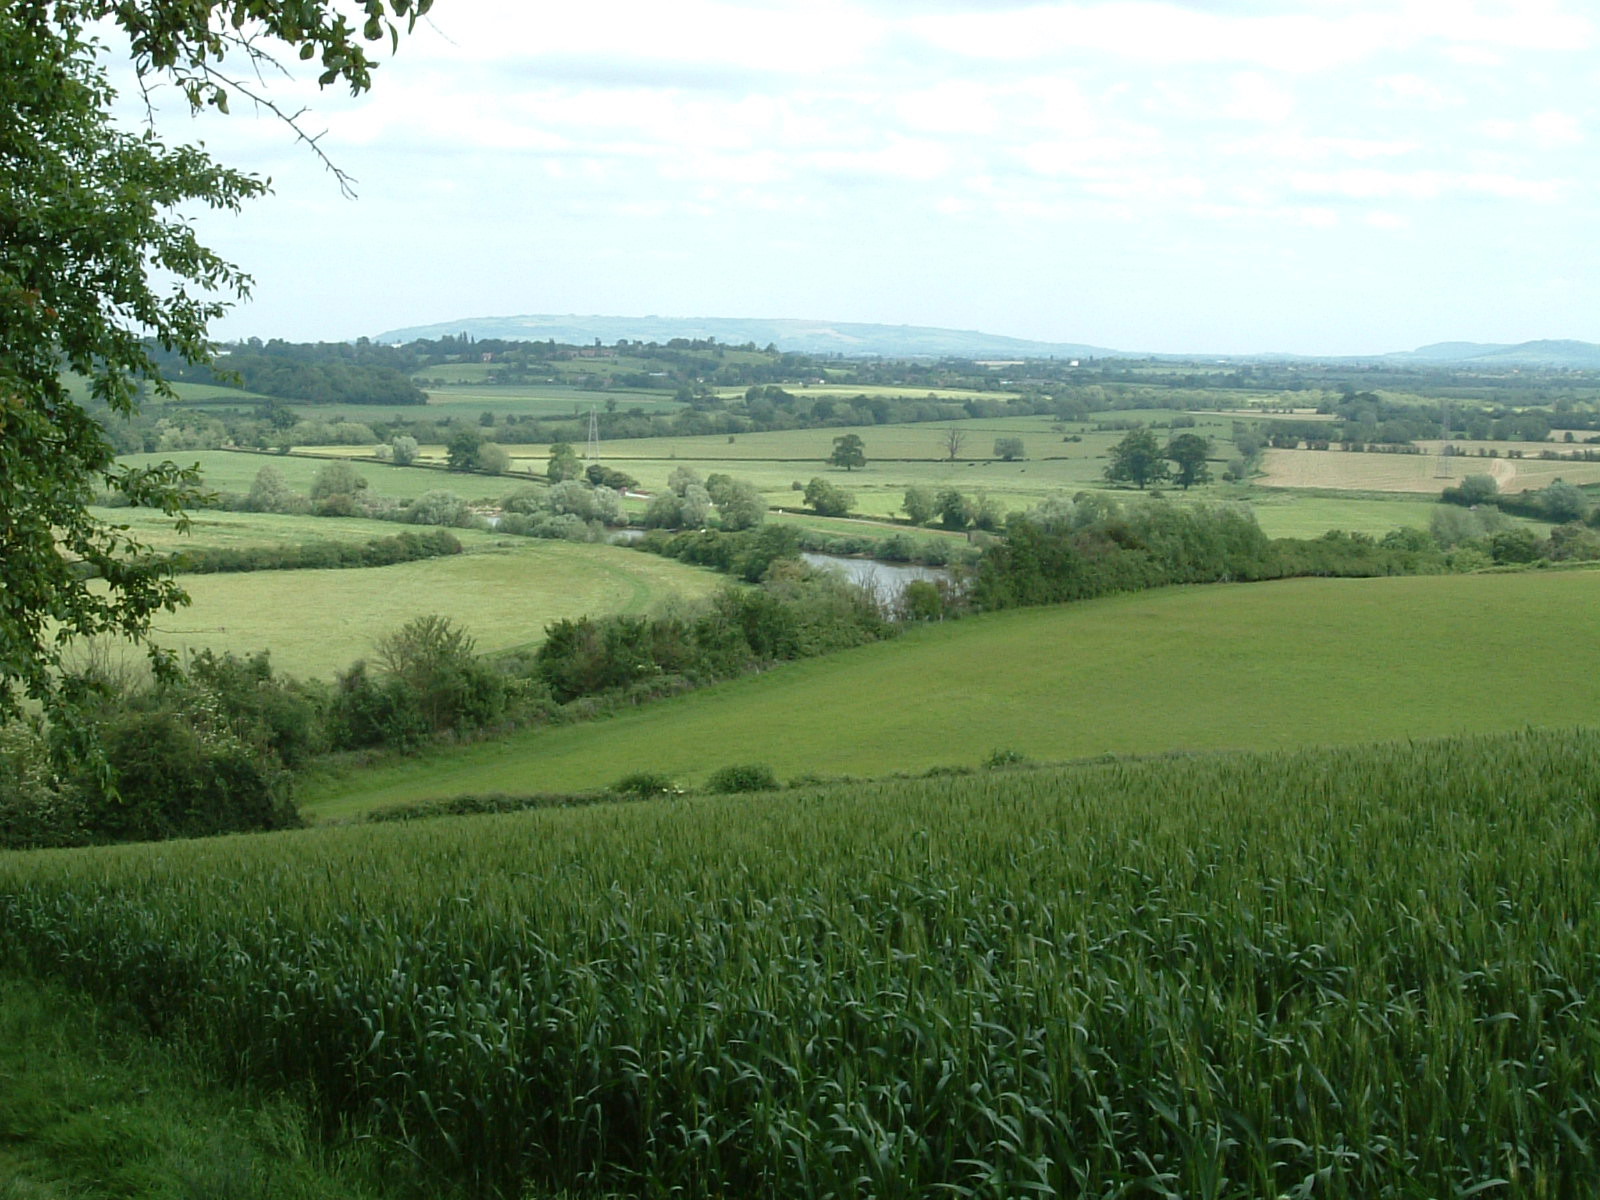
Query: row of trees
1089, 546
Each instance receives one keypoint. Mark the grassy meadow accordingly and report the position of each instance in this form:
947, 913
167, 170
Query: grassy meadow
217, 529
1351, 973
236, 470
1275, 665
505, 591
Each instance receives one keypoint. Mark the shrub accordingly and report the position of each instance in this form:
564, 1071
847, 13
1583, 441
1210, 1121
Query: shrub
644, 784
1004, 758
742, 777
168, 780
35, 811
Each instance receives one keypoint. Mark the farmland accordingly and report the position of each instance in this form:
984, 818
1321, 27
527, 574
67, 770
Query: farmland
506, 591
1420, 473
1285, 664
903, 456
1347, 973
1280, 889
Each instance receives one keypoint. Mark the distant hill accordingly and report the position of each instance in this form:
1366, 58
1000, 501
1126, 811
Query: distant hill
858, 340
803, 337
1546, 353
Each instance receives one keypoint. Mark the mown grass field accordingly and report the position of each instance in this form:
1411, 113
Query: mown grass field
1348, 973
505, 592
219, 529
236, 470
1275, 665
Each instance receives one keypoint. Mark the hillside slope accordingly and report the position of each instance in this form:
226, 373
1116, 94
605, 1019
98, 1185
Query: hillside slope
1294, 663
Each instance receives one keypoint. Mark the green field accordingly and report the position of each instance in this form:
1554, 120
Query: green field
235, 471
1292, 663
1344, 974
504, 593
548, 400
217, 529
898, 458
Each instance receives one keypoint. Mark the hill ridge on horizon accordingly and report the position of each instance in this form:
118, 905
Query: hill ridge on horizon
856, 339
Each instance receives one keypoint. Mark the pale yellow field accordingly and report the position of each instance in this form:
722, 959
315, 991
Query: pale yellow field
1418, 472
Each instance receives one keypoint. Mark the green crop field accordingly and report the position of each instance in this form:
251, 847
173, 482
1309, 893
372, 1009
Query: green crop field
215, 394
1348, 973
505, 594
1285, 664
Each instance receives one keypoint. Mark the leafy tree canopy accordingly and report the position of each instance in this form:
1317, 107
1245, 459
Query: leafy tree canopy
1189, 452
848, 452
1137, 459
100, 271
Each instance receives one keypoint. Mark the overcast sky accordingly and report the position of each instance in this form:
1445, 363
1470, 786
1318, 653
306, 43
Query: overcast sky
1316, 176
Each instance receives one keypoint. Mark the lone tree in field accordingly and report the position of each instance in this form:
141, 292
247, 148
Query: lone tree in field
952, 441
564, 463
920, 505
1189, 451
99, 263
403, 450
1008, 449
1137, 459
461, 451
848, 452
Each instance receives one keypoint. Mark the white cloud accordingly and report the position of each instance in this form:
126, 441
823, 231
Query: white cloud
952, 106
1297, 147
1553, 130
903, 159
1416, 91
1423, 185
1257, 98
1318, 218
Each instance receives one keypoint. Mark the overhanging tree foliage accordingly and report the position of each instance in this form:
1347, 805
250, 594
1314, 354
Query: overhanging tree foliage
98, 264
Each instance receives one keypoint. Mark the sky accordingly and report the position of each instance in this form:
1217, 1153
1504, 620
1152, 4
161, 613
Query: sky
1232, 177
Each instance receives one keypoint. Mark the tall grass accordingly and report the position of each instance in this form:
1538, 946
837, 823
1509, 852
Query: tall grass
1364, 972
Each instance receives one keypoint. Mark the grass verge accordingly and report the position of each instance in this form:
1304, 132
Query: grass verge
92, 1109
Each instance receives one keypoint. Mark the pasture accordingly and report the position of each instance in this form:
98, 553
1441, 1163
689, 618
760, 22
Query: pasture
505, 592
235, 471
215, 529
1267, 665
1335, 973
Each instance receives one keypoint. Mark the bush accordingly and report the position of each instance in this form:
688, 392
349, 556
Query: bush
35, 811
828, 500
167, 780
744, 777
1004, 758
645, 784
